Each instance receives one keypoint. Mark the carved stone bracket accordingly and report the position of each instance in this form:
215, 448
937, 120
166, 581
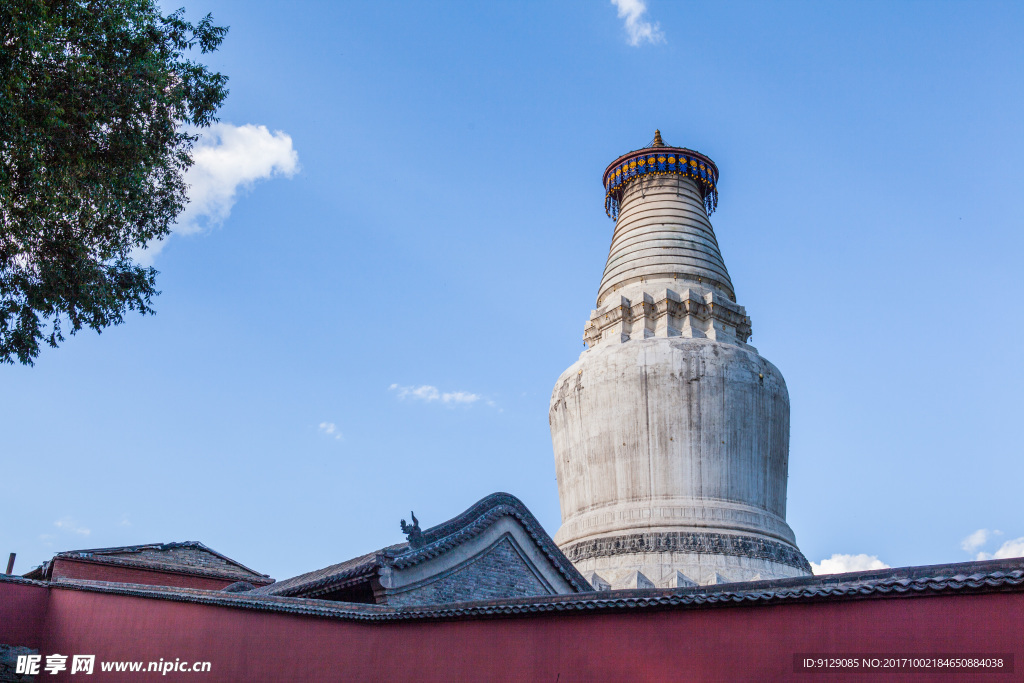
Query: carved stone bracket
691, 313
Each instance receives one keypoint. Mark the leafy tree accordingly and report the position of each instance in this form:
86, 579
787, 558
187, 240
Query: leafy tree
99, 107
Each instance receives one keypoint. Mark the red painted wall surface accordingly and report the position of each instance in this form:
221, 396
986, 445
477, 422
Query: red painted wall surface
22, 614
94, 571
743, 643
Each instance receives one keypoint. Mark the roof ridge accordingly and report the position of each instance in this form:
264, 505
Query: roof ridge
438, 539
106, 552
476, 520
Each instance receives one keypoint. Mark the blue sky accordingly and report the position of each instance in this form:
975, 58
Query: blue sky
423, 208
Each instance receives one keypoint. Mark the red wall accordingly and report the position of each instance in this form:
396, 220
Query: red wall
22, 614
754, 642
95, 571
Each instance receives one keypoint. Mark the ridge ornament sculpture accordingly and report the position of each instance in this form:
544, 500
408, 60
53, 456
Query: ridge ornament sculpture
412, 532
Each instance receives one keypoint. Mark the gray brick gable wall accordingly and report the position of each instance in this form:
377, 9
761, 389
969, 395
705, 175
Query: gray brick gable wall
500, 572
183, 557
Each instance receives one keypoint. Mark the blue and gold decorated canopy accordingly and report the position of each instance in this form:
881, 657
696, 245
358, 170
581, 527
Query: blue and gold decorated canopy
660, 159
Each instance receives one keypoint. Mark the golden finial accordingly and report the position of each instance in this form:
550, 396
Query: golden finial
658, 142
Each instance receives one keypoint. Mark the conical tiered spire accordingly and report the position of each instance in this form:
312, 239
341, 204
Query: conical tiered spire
665, 275
663, 233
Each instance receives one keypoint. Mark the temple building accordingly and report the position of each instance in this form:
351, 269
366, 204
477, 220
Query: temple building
495, 549
186, 564
671, 433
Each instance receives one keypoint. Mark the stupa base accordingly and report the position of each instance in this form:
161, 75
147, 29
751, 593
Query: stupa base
680, 559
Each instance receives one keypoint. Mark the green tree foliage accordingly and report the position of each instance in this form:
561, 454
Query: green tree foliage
99, 104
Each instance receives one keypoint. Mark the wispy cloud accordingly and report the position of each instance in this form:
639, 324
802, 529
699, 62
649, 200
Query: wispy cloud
429, 394
978, 539
330, 429
638, 29
70, 525
1011, 548
227, 159
840, 564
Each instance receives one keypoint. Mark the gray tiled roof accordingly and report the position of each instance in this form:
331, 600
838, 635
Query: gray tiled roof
436, 541
362, 566
190, 557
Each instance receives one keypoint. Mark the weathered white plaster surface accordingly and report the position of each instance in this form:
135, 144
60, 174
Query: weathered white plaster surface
662, 233
670, 423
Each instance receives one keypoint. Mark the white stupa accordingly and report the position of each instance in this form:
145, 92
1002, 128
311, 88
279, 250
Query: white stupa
671, 433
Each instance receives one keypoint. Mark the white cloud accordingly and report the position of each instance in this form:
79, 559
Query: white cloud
1013, 548
68, 524
638, 29
460, 397
330, 429
840, 564
978, 539
430, 393
227, 159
